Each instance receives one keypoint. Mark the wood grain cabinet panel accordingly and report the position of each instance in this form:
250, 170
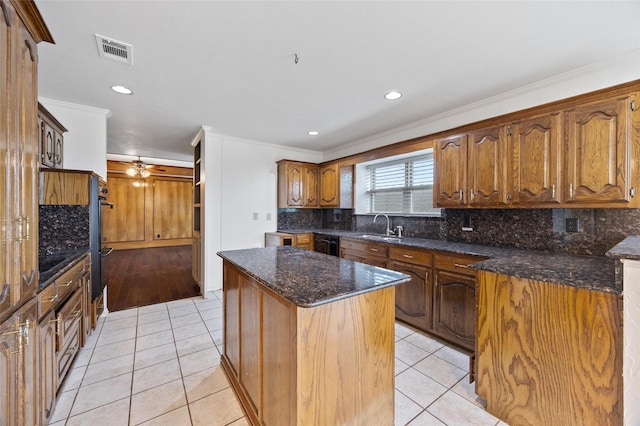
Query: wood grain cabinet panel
64, 188
298, 184
450, 173
548, 353
414, 300
536, 160
487, 166
598, 162
311, 187
231, 293
250, 340
454, 307
330, 186
50, 138
48, 369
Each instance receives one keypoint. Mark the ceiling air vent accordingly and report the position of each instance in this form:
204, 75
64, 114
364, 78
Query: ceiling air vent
114, 49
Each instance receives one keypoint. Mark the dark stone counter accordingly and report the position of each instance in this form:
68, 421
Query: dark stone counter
597, 273
307, 278
629, 248
56, 264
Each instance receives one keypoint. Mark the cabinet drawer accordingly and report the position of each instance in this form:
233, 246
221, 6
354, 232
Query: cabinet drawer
69, 317
70, 280
64, 357
303, 239
48, 298
457, 263
410, 255
375, 249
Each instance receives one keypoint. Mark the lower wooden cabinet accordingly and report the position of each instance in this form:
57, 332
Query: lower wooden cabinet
19, 366
47, 337
69, 318
548, 354
415, 298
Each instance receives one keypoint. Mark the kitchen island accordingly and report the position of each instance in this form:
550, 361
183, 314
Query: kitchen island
309, 338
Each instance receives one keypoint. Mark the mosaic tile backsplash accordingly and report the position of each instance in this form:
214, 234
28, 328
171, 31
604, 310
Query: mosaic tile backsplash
531, 229
63, 228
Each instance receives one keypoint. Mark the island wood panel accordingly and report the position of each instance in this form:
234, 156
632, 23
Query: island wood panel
278, 361
346, 364
231, 292
172, 210
125, 221
548, 353
251, 340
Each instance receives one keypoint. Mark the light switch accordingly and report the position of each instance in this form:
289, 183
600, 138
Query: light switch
268, 216
255, 215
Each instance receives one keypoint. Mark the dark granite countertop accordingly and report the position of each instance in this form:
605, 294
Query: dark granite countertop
591, 272
307, 278
629, 248
57, 264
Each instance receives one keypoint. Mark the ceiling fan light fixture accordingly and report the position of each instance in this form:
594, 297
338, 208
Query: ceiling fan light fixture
145, 173
122, 90
131, 171
393, 95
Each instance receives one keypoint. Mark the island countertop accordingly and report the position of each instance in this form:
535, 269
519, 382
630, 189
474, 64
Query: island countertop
308, 279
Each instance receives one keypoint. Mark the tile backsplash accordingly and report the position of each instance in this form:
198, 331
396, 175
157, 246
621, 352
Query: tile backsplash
63, 227
532, 229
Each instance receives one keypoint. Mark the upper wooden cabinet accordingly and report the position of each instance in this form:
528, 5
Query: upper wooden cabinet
598, 152
487, 166
297, 184
536, 160
580, 155
329, 186
50, 138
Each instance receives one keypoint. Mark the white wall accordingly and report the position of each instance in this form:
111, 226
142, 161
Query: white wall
604, 74
85, 142
239, 178
631, 342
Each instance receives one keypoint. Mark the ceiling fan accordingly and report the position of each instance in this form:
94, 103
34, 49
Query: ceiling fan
140, 168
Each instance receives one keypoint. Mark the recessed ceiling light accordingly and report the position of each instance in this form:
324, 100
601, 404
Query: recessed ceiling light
313, 133
392, 95
122, 90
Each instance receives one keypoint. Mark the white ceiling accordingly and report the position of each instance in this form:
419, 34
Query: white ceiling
230, 65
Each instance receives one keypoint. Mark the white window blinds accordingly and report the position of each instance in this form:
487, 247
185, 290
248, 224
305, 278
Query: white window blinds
402, 186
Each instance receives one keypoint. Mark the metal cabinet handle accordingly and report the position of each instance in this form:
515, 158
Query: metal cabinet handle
458, 265
52, 299
67, 284
76, 314
374, 249
553, 190
407, 256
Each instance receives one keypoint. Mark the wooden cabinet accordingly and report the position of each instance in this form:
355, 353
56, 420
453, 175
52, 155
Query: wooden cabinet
297, 184
536, 159
330, 186
487, 166
454, 299
47, 337
450, 172
598, 152
50, 138
21, 27
414, 300
19, 384
64, 187
304, 241
548, 353
69, 318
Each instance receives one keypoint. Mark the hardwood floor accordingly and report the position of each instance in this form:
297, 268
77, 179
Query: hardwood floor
141, 277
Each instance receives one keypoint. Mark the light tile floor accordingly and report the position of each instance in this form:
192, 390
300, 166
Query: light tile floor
160, 365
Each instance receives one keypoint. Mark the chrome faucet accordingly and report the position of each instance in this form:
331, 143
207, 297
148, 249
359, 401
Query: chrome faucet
388, 231
399, 230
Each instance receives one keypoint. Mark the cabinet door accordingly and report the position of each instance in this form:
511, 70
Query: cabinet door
48, 370
536, 160
250, 342
414, 300
598, 159
29, 377
488, 167
311, 187
23, 146
8, 370
58, 149
171, 209
6, 290
329, 186
454, 307
450, 175
47, 145
295, 184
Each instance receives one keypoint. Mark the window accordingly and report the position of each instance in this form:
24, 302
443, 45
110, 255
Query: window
398, 186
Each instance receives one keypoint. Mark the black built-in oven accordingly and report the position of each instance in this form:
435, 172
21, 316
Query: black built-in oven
327, 244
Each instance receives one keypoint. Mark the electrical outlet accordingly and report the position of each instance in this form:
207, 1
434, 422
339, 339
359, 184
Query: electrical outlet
268, 216
255, 215
571, 224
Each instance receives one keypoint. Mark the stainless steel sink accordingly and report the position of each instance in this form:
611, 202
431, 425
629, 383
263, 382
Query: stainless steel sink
383, 238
